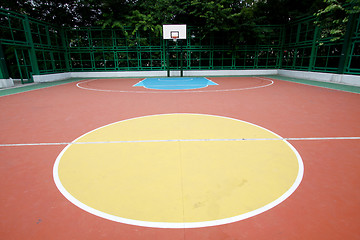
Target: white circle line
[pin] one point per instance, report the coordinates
(172, 91)
(98, 213)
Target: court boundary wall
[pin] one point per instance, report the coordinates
(345, 79)
(5, 83)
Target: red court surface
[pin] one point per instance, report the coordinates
(323, 123)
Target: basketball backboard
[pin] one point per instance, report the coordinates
(174, 31)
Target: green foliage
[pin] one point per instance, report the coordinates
(283, 11)
(236, 21)
(60, 12)
(333, 18)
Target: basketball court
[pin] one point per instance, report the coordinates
(180, 158)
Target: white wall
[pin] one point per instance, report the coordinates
(322, 77)
(315, 76)
(61, 76)
(5, 83)
(229, 72)
(119, 74)
(51, 77)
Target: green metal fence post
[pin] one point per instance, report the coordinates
(314, 47)
(181, 59)
(50, 52)
(297, 44)
(138, 50)
(4, 74)
(233, 59)
(66, 49)
(19, 66)
(115, 52)
(344, 57)
(188, 49)
(91, 46)
(280, 56)
(33, 59)
(256, 60)
(167, 58)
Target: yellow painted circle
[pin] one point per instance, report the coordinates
(178, 170)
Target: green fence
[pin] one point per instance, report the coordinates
(109, 49)
(31, 47)
(304, 50)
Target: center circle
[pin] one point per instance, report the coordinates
(178, 171)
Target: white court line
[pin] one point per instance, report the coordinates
(271, 82)
(180, 140)
(182, 80)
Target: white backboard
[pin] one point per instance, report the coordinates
(174, 29)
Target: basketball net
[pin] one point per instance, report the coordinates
(174, 38)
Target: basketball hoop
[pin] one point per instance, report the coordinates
(174, 32)
(174, 35)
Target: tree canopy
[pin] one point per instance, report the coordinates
(238, 17)
(212, 15)
(335, 16)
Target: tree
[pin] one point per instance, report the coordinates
(61, 12)
(216, 16)
(283, 11)
(237, 21)
(334, 17)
